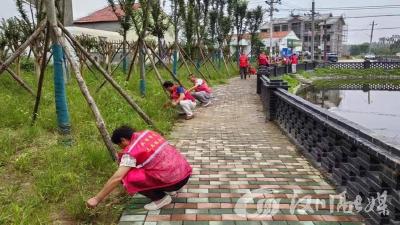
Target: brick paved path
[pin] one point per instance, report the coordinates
(233, 151)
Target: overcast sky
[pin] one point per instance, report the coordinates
(84, 7)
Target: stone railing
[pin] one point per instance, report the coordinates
(275, 70)
(353, 160)
(362, 65)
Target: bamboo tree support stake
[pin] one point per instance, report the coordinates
(133, 62)
(186, 65)
(165, 66)
(91, 102)
(208, 59)
(112, 72)
(117, 87)
(204, 62)
(22, 47)
(19, 80)
(41, 75)
(158, 75)
(223, 59)
(193, 64)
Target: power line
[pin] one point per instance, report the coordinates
(371, 16)
(369, 29)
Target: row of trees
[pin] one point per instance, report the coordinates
(201, 25)
(198, 24)
(364, 48)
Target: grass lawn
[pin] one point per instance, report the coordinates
(43, 180)
(336, 77)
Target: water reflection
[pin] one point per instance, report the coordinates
(378, 111)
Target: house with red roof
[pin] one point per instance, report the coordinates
(106, 20)
(103, 19)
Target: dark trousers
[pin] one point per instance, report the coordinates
(157, 194)
(243, 72)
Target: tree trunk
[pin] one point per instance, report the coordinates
(125, 61)
(113, 83)
(92, 104)
(142, 64)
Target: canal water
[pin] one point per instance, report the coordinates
(379, 111)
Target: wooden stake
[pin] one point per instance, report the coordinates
(165, 66)
(112, 72)
(205, 65)
(191, 61)
(158, 75)
(186, 65)
(19, 80)
(117, 87)
(41, 75)
(89, 99)
(226, 66)
(22, 47)
(132, 63)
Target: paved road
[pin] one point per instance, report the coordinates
(240, 165)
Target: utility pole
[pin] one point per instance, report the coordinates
(372, 36)
(271, 11)
(325, 41)
(313, 30)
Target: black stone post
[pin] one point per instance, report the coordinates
(367, 64)
(269, 97)
(275, 71)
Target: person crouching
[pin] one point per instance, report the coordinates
(200, 91)
(148, 165)
(182, 98)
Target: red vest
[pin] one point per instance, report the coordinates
(158, 164)
(203, 87)
(295, 59)
(262, 60)
(175, 95)
(243, 61)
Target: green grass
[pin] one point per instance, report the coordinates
(321, 77)
(324, 84)
(42, 179)
(290, 79)
(323, 72)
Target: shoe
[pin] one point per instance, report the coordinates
(189, 117)
(171, 193)
(161, 203)
(207, 104)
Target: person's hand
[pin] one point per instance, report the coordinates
(174, 103)
(92, 203)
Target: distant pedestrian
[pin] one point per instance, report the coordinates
(182, 98)
(200, 91)
(294, 61)
(244, 65)
(263, 59)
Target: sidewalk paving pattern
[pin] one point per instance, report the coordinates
(233, 151)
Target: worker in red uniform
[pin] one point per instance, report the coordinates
(244, 65)
(263, 59)
(294, 60)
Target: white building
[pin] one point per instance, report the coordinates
(280, 41)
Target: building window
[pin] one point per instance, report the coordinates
(285, 27)
(306, 38)
(277, 28)
(328, 37)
